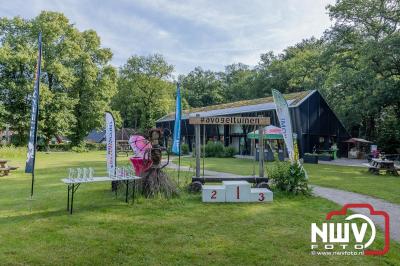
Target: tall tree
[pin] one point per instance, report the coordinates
(17, 61)
(77, 81)
(362, 55)
(144, 92)
(2, 115)
(202, 87)
(94, 87)
(237, 81)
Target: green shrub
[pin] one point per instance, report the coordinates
(217, 149)
(214, 149)
(289, 177)
(101, 146)
(80, 148)
(11, 152)
(229, 152)
(84, 146)
(95, 146)
(60, 147)
(185, 149)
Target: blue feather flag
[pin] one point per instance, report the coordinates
(177, 127)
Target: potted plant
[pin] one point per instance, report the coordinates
(324, 157)
(310, 158)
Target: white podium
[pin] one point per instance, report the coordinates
(235, 191)
(261, 195)
(213, 193)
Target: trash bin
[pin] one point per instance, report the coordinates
(258, 154)
(270, 156)
(281, 155)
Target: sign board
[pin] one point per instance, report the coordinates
(229, 120)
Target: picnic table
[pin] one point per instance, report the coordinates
(377, 165)
(123, 147)
(4, 168)
(74, 183)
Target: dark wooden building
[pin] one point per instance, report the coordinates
(313, 120)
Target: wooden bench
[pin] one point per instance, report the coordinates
(396, 170)
(373, 169)
(376, 170)
(123, 147)
(6, 170)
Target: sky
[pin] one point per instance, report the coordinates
(189, 33)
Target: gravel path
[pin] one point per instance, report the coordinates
(340, 197)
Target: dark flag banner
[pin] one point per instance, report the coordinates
(30, 161)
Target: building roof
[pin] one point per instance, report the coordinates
(96, 136)
(100, 136)
(355, 140)
(240, 107)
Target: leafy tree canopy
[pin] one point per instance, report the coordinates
(77, 82)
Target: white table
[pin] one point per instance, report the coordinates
(74, 183)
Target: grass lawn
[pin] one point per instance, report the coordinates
(356, 179)
(106, 231)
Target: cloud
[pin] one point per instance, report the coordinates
(191, 33)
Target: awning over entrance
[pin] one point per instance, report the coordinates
(357, 140)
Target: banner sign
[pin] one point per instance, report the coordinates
(177, 127)
(282, 111)
(30, 161)
(229, 120)
(110, 144)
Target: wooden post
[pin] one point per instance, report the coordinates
(261, 151)
(198, 147)
(204, 145)
(252, 148)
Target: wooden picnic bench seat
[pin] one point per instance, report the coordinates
(373, 169)
(395, 170)
(378, 165)
(369, 165)
(6, 170)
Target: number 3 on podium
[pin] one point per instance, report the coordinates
(261, 196)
